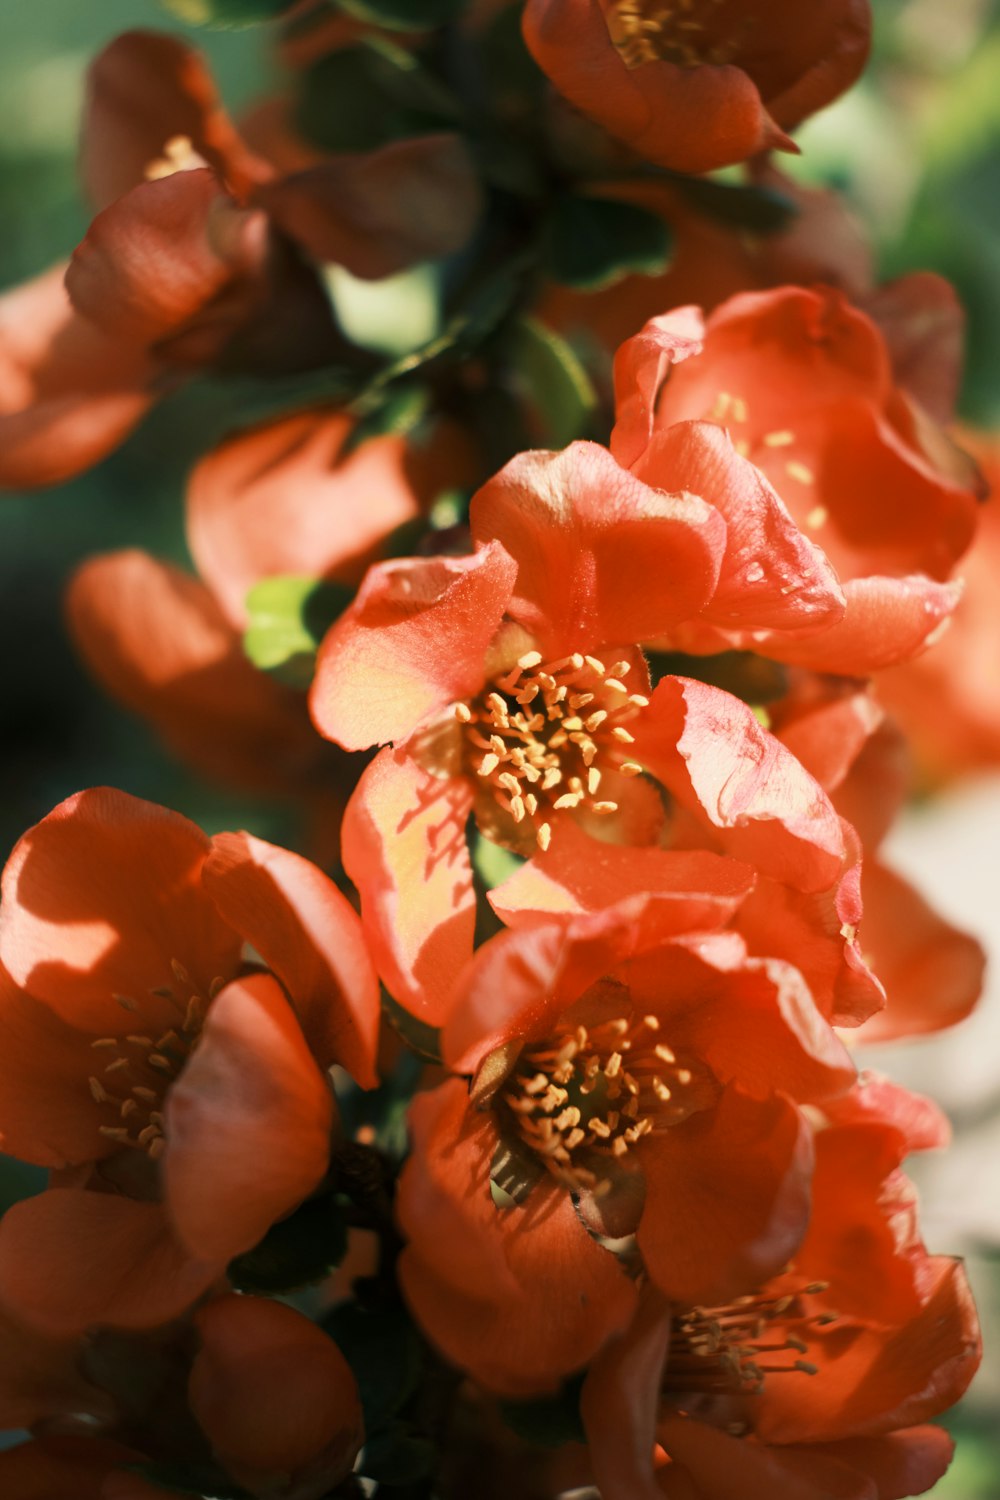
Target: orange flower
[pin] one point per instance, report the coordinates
(697, 88)
(275, 1398)
(623, 1082)
(177, 1092)
(815, 1385)
(290, 496)
(195, 256)
(512, 684)
(932, 971)
(948, 701)
(802, 381)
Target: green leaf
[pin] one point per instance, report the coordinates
(289, 616)
(743, 205)
(226, 12)
(550, 1421)
(383, 1350)
(553, 381)
(296, 1252)
(402, 15)
(422, 1039)
(398, 1455)
(593, 242)
(364, 96)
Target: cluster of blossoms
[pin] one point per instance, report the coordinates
(509, 1138)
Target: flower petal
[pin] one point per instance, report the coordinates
(414, 641)
(620, 1402)
(404, 847)
(155, 639)
(99, 898)
(70, 1258)
(144, 90)
(886, 621)
(272, 1392)
(601, 557)
(69, 394)
(686, 890)
(292, 497)
(247, 1123)
(932, 971)
(519, 1297)
(709, 750)
(309, 935)
(772, 577)
(727, 1468)
(161, 258)
(727, 1198)
(873, 1380)
(378, 212)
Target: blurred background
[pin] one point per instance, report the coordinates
(915, 149)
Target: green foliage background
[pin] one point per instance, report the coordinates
(915, 148)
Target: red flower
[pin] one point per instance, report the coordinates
(931, 970)
(512, 684)
(802, 382)
(275, 1398)
(624, 1081)
(814, 1386)
(179, 1092)
(288, 497)
(693, 89)
(948, 700)
(199, 256)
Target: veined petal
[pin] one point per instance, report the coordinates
(404, 847)
(247, 1123)
(309, 935)
(600, 555)
(414, 641)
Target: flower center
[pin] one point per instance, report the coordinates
(135, 1081)
(732, 1350)
(542, 737)
(584, 1097)
(684, 32)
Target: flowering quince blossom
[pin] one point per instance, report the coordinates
(948, 700)
(178, 1094)
(512, 685)
(802, 382)
(932, 972)
(287, 497)
(625, 1080)
(694, 87)
(199, 257)
(817, 1384)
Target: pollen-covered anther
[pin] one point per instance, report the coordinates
(141, 1068)
(543, 738)
(722, 1350)
(587, 1096)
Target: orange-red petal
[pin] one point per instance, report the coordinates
(310, 936)
(414, 641)
(247, 1123)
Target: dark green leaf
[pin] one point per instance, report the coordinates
(364, 96)
(593, 242)
(296, 1252)
(553, 381)
(744, 205)
(550, 1421)
(422, 1039)
(397, 1455)
(288, 617)
(402, 15)
(383, 1350)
